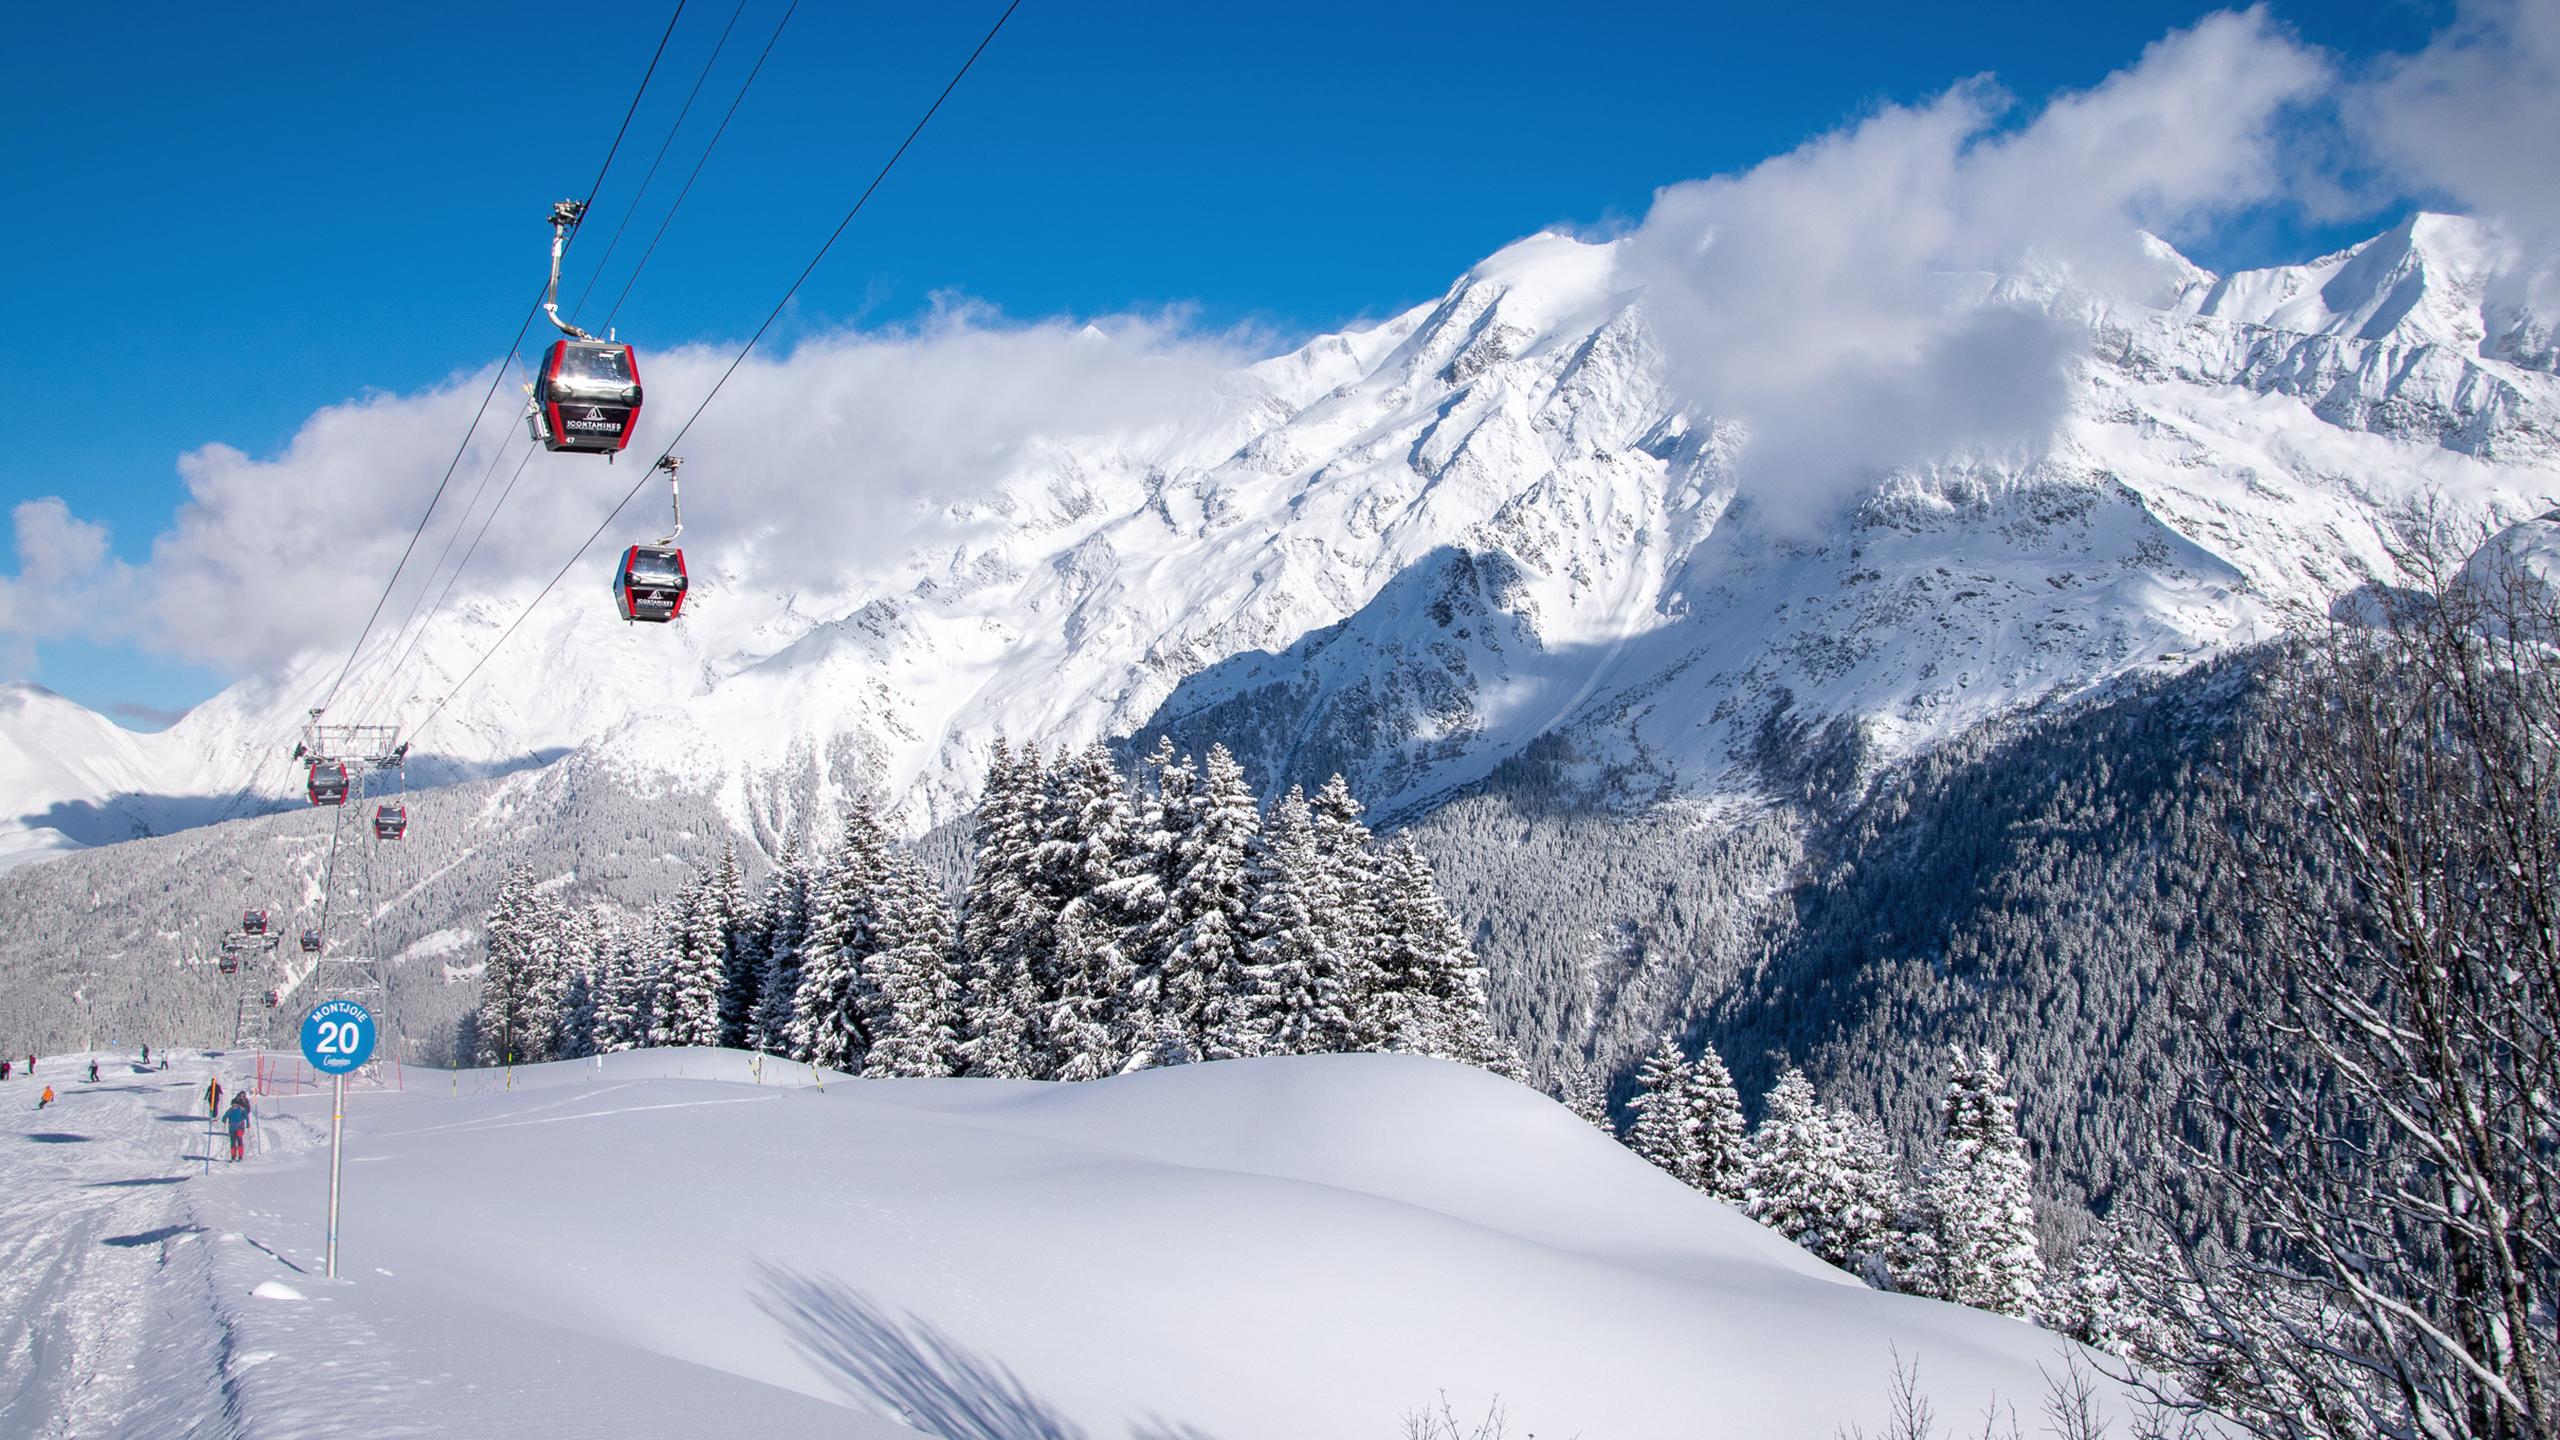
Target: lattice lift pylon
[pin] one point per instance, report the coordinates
(373, 747)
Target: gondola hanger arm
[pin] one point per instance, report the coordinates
(565, 216)
(675, 498)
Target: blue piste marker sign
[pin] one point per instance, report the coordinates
(337, 1036)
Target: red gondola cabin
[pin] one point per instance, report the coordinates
(329, 784)
(586, 397)
(390, 822)
(253, 922)
(228, 964)
(310, 942)
(650, 584)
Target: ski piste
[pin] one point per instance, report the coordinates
(671, 1242)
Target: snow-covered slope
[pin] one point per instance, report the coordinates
(2430, 280)
(57, 760)
(1278, 1248)
(1406, 551)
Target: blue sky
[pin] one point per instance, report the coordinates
(225, 218)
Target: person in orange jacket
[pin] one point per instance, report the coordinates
(46, 1098)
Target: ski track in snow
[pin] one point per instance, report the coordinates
(100, 1322)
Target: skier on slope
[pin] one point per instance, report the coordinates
(213, 1097)
(93, 1072)
(46, 1098)
(237, 1121)
(4, 1069)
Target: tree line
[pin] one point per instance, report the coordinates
(1106, 926)
(1962, 1227)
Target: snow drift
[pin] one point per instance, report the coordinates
(1309, 1246)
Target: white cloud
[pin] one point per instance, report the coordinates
(2469, 121)
(67, 584)
(1812, 296)
(1819, 297)
(839, 455)
(848, 454)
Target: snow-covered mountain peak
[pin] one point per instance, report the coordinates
(1550, 273)
(2178, 283)
(2431, 279)
(1409, 549)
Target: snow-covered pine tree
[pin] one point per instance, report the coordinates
(1278, 1005)
(647, 958)
(1576, 1086)
(502, 1033)
(689, 991)
(1085, 1029)
(1347, 915)
(741, 958)
(1109, 903)
(574, 962)
(1979, 1195)
(1665, 1130)
(1724, 1152)
(1206, 904)
(1866, 1235)
(2094, 1303)
(833, 1010)
(918, 1015)
(1813, 1177)
(782, 926)
(545, 979)
(622, 1018)
(1429, 989)
(1165, 812)
(586, 1002)
(604, 936)
(658, 940)
(1002, 925)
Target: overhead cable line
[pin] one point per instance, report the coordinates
(387, 675)
(403, 653)
(420, 637)
(659, 159)
(329, 884)
(501, 374)
(699, 161)
(863, 199)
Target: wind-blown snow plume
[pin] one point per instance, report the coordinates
(1819, 297)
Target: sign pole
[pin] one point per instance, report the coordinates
(337, 1036)
(337, 1143)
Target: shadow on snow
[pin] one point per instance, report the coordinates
(917, 1371)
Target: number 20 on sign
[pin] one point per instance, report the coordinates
(337, 1036)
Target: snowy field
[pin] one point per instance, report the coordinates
(680, 1243)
